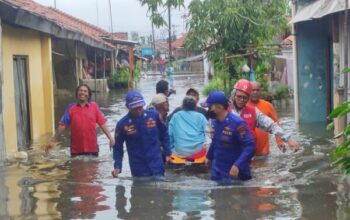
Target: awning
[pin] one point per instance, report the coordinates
(319, 9)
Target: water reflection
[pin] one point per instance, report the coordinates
(81, 197)
(145, 202)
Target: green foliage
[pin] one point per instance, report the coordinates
(281, 93)
(119, 79)
(137, 72)
(234, 26)
(155, 5)
(341, 154)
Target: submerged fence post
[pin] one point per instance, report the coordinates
(2, 136)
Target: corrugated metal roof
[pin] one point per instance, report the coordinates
(318, 10)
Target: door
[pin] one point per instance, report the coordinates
(21, 101)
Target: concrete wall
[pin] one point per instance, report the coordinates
(37, 49)
(2, 137)
(312, 55)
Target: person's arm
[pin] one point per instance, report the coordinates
(246, 142)
(164, 138)
(267, 124)
(64, 122)
(55, 138)
(109, 136)
(118, 151)
(274, 117)
(101, 121)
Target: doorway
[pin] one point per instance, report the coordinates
(21, 101)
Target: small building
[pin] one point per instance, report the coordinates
(43, 50)
(321, 55)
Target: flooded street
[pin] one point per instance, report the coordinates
(284, 186)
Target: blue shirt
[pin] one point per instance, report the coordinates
(143, 136)
(187, 132)
(232, 144)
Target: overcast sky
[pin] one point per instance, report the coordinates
(128, 15)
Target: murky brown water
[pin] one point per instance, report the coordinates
(285, 186)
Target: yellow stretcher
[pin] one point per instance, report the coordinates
(184, 161)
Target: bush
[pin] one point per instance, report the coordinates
(119, 79)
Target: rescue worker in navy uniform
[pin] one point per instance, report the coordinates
(232, 144)
(144, 133)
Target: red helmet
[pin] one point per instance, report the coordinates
(244, 86)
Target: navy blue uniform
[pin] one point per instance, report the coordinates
(143, 136)
(232, 144)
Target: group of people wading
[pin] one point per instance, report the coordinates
(225, 136)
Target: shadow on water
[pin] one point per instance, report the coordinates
(285, 186)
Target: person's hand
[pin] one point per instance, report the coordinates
(168, 159)
(207, 162)
(111, 143)
(234, 171)
(282, 147)
(115, 172)
(49, 145)
(293, 145)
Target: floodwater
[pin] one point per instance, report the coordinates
(285, 186)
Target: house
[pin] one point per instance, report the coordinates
(44, 50)
(321, 53)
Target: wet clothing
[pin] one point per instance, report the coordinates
(143, 136)
(199, 109)
(264, 122)
(263, 140)
(82, 121)
(187, 131)
(232, 144)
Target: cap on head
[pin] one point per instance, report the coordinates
(244, 86)
(216, 97)
(159, 98)
(134, 99)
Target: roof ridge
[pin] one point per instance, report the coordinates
(78, 19)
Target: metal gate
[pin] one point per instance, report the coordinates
(21, 101)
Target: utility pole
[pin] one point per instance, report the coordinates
(153, 40)
(97, 15)
(110, 17)
(54, 2)
(169, 28)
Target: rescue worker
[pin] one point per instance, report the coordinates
(195, 94)
(262, 137)
(255, 118)
(187, 131)
(232, 144)
(144, 133)
(82, 118)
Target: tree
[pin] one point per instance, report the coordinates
(226, 27)
(236, 28)
(154, 7)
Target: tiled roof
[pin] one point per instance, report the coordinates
(62, 19)
(120, 35)
(179, 42)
